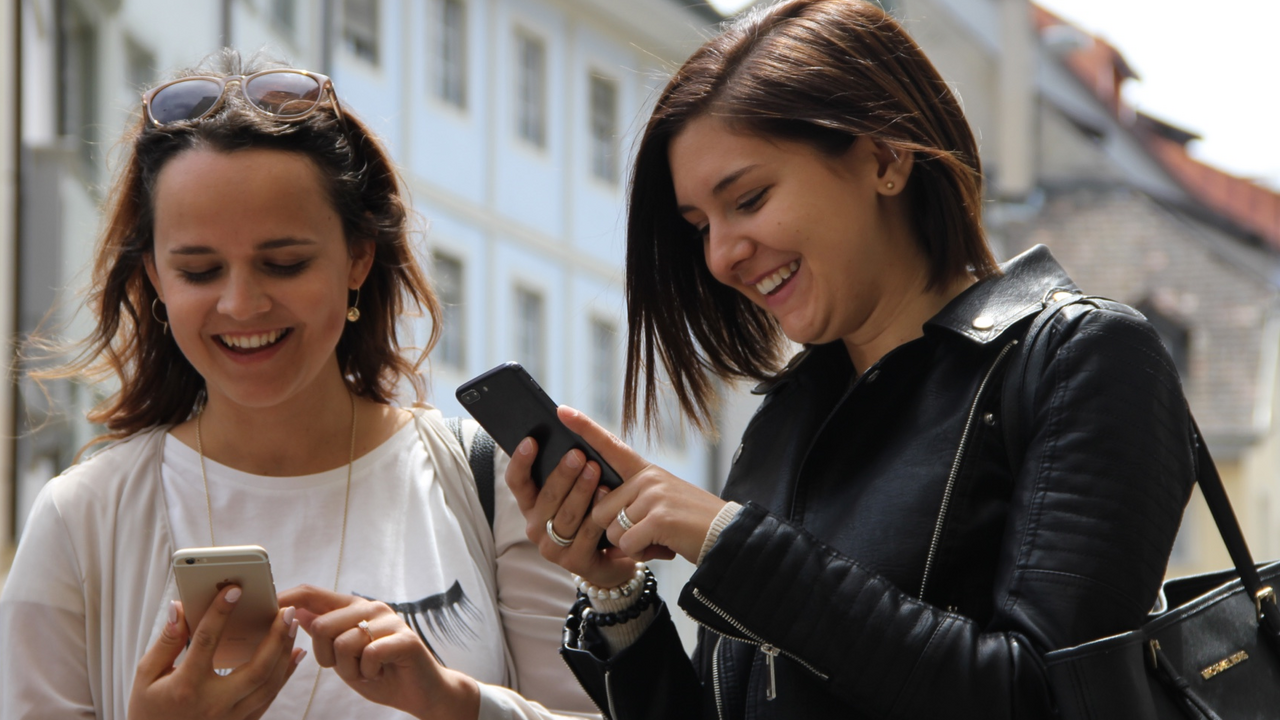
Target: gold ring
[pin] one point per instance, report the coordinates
(555, 538)
(364, 625)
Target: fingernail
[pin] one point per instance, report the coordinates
(288, 616)
(293, 628)
(570, 411)
(526, 446)
(601, 493)
(173, 612)
(573, 459)
(590, 472)
(233, 594)
(298, 660)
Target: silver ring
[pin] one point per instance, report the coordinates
(562, 542)
(364, 625)
(624, 521)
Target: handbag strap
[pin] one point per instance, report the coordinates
(1019, 394)
(480, 458)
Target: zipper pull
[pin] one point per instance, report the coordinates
(770, 655)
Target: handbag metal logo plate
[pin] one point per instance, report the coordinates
(1221, 665)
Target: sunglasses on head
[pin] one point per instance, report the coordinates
(284, 93)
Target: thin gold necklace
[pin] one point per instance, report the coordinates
(342, 537)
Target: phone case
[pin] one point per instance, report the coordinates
(510, 405)
(202, 572)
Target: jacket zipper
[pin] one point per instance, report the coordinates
(955, 469)
(771, 652)
(608, 695)
(715, 677)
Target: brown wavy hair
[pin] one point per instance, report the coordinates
(157, 385)
(821, 72)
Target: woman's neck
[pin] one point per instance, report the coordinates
(902, 321)
(308, 434)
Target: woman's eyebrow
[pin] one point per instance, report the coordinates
(725, 182)
(273, 244)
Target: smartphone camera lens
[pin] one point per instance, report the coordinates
(191, 561)
(470, 396)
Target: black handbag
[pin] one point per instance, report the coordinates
(1210, 650)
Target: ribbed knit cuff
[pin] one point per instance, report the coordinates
(619, 637)
(723, 518)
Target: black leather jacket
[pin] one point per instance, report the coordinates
(890, 562)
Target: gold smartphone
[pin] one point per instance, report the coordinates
(202, 572)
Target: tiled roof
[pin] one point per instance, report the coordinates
(1102, 69)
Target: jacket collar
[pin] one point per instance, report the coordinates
(986, 310)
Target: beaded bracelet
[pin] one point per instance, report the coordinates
(648, 598)
(614, 593)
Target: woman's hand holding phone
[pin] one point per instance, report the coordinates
(669, 516)
(163, 691)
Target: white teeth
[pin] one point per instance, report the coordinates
(250, 342)
(771, 283)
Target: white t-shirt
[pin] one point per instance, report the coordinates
(403, 546)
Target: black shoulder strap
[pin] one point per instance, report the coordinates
(1019, 394)
(480, 458)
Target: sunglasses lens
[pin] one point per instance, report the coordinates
(284, 94)
(185, 100)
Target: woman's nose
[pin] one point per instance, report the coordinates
(243, 297)
(725, 248)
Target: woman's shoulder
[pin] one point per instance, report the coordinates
(110, 466)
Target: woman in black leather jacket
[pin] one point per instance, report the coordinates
(896, 539)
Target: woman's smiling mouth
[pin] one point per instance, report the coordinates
(251, 342)
(771, 283)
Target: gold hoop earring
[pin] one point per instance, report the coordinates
(353, 312)
(155, 317)
(889, 185)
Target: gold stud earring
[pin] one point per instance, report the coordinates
(353, 312)
(163, 323)
(889, 185)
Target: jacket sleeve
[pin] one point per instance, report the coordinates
(1096, 504)
(44, 672)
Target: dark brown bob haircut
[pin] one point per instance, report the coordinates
(821, 72)
(157, 385)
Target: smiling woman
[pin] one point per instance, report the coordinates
(248, 290)
(879, 549)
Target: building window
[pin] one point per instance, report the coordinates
(78, 98)
(450, 76)
(360, 28)
(531, 331)
(531, 89)
(451, 348)
(604, 371)
(140, 65)
(604, 128)
(284, 15)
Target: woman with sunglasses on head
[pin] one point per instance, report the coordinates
(879, 551)
(255, 263)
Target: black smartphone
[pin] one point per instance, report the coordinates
(511, 406)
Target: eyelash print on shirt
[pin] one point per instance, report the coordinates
(446, 615)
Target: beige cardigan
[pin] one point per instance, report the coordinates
(91, 581)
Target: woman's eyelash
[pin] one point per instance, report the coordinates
(753, 200)
(201, 276)
(288, 270)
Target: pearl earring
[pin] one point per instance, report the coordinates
(889, 185)
(353, 312)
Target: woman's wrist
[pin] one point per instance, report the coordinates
(611, 599)
(721, 521)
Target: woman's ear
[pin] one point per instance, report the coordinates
(149, 263)
(894, 167)
(362, 254)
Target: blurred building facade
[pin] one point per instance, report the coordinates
(511, 120)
